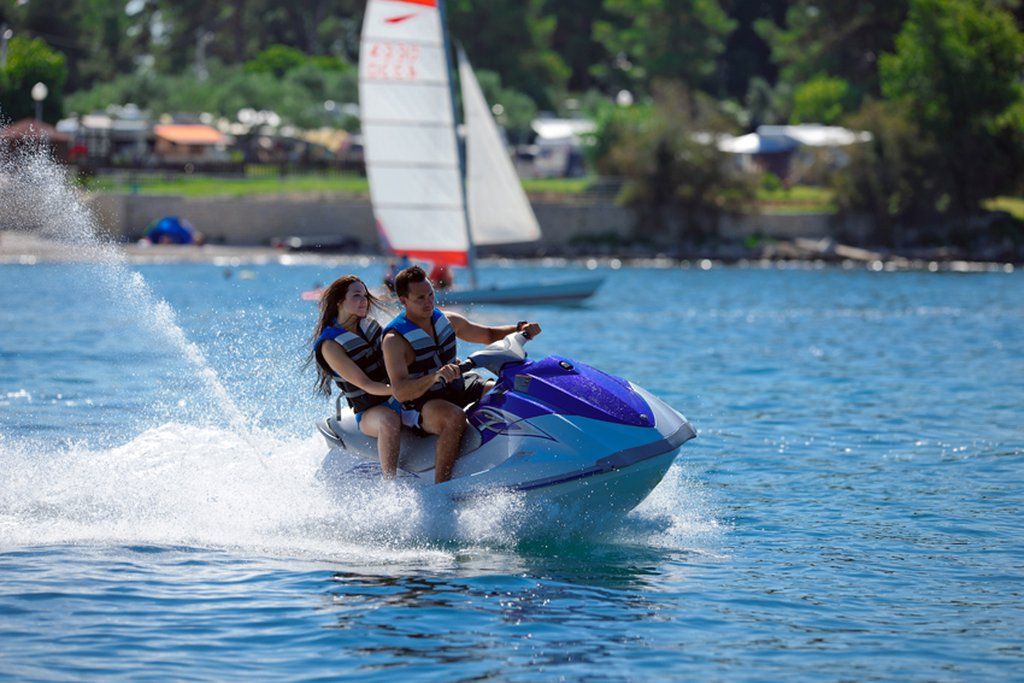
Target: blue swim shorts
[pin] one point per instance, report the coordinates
(409, 418)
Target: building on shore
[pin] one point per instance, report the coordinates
(116, 136)
(186, 143)
(557, 148)
(794, 153)
(29, 133)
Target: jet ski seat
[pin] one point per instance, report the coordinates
(416, 453)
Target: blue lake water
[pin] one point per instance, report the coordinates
(850, 510)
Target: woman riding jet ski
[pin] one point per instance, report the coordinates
(555, 429)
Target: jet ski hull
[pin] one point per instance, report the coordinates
(588, 484)
(556, 432)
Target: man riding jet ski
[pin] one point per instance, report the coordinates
(419, 354)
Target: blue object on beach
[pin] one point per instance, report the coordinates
(170, 230)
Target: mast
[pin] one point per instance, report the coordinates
(459, 149)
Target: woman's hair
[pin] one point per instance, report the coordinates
(332, 295)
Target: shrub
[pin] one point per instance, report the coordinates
(673, 172)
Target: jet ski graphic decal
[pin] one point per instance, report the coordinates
(494, 421)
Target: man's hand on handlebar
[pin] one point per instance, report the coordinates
(529, 330)
(448, 373)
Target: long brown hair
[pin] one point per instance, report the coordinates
(332, 295)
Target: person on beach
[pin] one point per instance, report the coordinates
(441, 276)
(419, 354)
(347, 351)
(394, 267)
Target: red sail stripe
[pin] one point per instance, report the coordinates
(452, 258)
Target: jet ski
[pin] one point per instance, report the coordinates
(555, 430)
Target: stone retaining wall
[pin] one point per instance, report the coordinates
(257, 220)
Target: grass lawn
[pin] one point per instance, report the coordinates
(213, 186)
(1012, 205)
(558, 185)
(797, 199)
(347, 183)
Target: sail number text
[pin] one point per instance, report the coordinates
(392, 61)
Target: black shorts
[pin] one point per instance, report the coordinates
(472, 390)
(473, 387)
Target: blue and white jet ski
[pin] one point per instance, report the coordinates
(554, 429)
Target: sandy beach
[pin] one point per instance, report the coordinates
(30, 248)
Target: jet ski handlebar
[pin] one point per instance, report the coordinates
(493, 357)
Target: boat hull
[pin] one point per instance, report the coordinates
(593, 502)
(581, 503)
(556, 293)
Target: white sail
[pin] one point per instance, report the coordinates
(412, 159)
(499, 211)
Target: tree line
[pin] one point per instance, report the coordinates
(938, 83)
(755, 54)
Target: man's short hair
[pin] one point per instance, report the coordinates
(407, 276)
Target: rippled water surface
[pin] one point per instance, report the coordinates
(851, 508)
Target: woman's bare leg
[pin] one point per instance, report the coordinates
(385, 425)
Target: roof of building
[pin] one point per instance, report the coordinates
(776, 139)
(333, 139)
(550, 129)
(755, 143)
(189, 134)
(30, 128)
(816, 134)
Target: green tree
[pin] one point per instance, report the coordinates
(235, 31)
(890, 178)
(110, 50)
(844, 38)
(765, 104)
(652, 40)
(957, 66)
(298, 97)
(54, 21)
(512, 38)
(572, 39)
(822, 99)
(747, 55)
(31, 61)
(147, 89)
(276, 60)
(673, 173)
(189, 34)
(513, 110)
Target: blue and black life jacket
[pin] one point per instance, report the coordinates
(432, 351)
(363, 347)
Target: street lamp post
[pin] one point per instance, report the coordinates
(5, 35)
(39, 93)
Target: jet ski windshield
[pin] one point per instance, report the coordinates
(495, 356)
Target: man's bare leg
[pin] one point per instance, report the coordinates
(449, 423)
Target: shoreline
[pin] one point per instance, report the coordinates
(23, 248)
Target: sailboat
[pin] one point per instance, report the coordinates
(430, 201)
